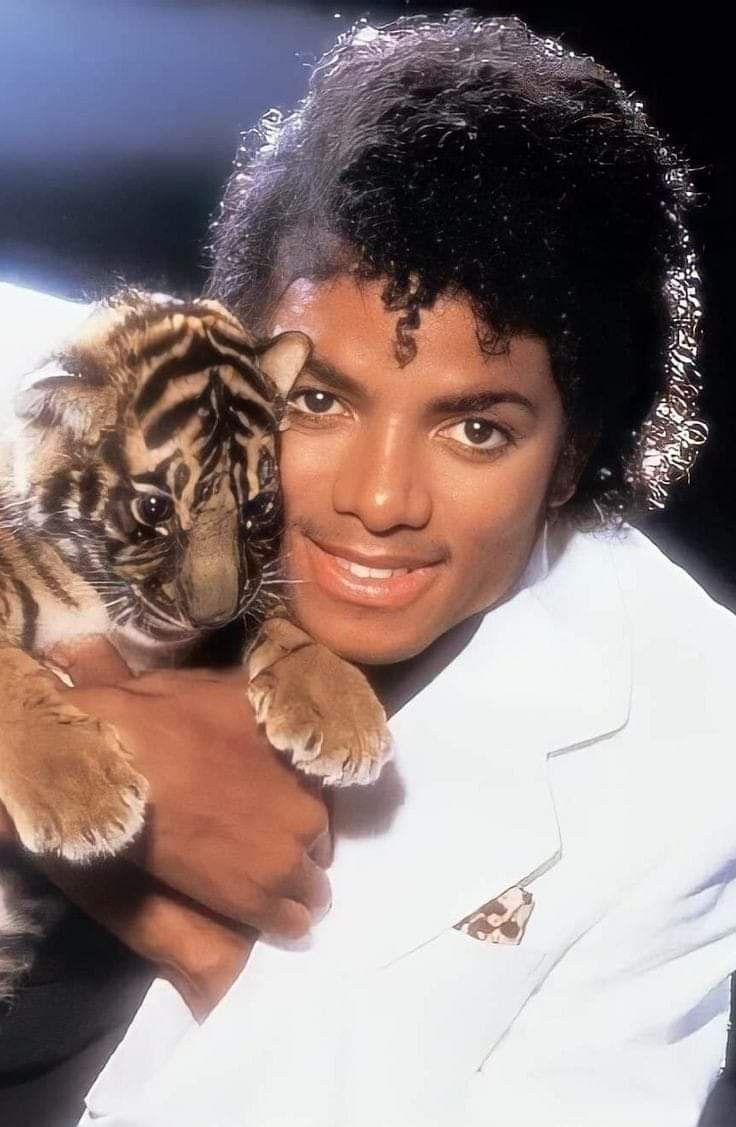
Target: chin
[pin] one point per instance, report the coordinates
(367, 650)
(364, 636)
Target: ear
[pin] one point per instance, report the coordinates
(53, 398)
(283, 358)
(570, 465)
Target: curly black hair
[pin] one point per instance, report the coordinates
(469, 156)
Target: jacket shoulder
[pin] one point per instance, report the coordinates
(683, 646)
(33, 325)
(673, 763)
(662, 598)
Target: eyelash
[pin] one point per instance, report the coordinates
(314, 418)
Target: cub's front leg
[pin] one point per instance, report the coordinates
(315, 706)
(65, 779)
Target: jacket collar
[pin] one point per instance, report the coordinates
(465, 810)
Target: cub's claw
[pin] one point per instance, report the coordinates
(82, 799)
(322, 712)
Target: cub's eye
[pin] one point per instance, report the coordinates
(261, 513)
(152, 508)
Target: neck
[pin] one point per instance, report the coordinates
(397, 683)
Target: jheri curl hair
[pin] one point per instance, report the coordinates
(469, 156)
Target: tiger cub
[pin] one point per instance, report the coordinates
(140, 500)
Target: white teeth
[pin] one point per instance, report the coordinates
(371, 572)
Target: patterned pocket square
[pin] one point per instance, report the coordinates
(501, 920)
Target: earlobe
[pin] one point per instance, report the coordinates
(564, 481)
(571, 462)
(559, 498)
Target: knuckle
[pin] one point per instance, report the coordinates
(295, 921)
(282, 872)
(314, 819)
(293, 861)
(255, 909)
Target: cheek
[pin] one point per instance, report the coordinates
(304, 472)
(504, 496)
(493, 516)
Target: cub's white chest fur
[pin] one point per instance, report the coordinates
(58, 623)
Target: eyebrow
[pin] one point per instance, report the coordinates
(479, 401)
(468, 401)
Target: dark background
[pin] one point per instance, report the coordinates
(120, 120)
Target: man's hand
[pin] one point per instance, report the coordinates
(232, 837)
(229, 825)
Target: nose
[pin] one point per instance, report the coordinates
(213, 602)
(205, 618)
(210, 575)
(381, 482)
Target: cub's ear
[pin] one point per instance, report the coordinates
(283, 357)
(54, 398)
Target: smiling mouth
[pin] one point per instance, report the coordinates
(370, 572)
(383, 582)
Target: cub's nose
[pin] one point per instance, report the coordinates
(212, 606)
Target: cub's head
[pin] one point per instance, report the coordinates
(148, 452)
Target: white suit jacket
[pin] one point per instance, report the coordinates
(581, 745)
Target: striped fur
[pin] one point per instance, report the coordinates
(159, 403)
(139, 500)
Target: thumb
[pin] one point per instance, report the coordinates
(90, 662)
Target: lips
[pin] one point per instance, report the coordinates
(388, 582)
(383, 560)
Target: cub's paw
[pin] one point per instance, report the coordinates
(324, 714)
(78, 796)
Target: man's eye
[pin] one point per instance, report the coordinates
(152, 508)
(310, 401)
(479, 433)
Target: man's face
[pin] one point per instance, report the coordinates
(413, 495)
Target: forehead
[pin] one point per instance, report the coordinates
(351, 327)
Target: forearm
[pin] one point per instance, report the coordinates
(200, 954)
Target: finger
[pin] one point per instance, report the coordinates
(322, 851)
(281, 917)
(90, 662)
(313, 813)
(287, 920)
(309, 886)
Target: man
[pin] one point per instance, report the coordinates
(484, 239)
